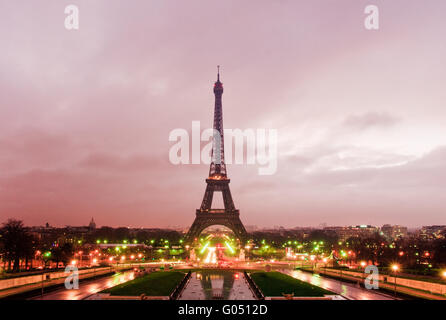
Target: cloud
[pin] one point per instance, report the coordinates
(370, 120)
(123, 164)
(422, 173)
(31, 147)
(85, 116)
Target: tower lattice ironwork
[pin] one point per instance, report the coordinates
(217, 181)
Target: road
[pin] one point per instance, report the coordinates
(87, 287)
(346, 290)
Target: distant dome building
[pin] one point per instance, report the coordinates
(92, 225)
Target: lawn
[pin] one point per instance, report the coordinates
(273, 284)
(160, 283)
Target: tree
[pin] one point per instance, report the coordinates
(17, 243)
(439, 252)
(62, 253)
(29, 249)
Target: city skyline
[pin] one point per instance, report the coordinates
(249, 227)
(86, 115)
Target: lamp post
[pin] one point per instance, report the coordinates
(363, 264)
(443, 274)
(41, 292)
(340, 271)
(325, 264)
(80, 259)
(341, 274)
(94, 267)
(395, 268)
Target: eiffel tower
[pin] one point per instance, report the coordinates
(217, 181)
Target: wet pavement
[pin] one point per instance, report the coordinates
(88, 288)
(349, 291)
(217, 285)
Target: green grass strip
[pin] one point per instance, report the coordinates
(160, 283)
(274, 284)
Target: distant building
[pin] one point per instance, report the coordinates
(92, 225)
(433, 232)
(360, 231)
(251, 228)
(393, 232)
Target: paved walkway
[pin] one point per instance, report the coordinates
(399, 289)
(193, 289)
(346, 290)
(87, 289)
(239, 291)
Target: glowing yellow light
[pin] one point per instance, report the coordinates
(211, 257)
(363, 263)
(229, 247)
(73, 262)
(395, 267)
(204, 248)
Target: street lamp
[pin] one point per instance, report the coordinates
(325, 260)
(395, 269)
(363, 264)
(80, 258)
(443, 274)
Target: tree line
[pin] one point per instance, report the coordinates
(19, 247)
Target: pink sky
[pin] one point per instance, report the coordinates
(85, 115)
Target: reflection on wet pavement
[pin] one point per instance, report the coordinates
(217, 284)
(347, 291)
(88, 288)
